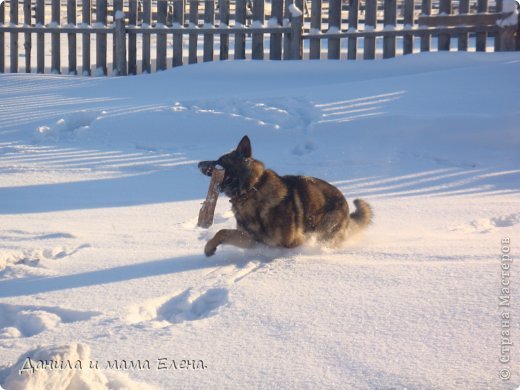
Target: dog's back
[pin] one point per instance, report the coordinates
(286, 210)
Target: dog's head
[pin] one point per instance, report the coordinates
(241, 171)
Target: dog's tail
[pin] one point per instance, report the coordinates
(360, 218)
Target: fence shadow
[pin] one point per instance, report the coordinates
(136, 189)
(30, 286)
(435, 182)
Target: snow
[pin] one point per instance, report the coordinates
(102, 261)
(273, 22)
(295, 11)
(333, 30)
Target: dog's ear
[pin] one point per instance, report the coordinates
(244, 147)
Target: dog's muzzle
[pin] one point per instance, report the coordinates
(207, 167)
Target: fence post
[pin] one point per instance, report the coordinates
(295, 37)
(120, 43)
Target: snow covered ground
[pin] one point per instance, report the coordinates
(101, 262)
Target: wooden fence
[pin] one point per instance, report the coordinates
(134, 36)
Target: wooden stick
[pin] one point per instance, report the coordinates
(207, 210)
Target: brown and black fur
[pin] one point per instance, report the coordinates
(280, 211)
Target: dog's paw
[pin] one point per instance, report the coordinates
(210, 248)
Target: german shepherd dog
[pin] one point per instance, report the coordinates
(280, 211)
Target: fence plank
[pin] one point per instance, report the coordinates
(296, 43)
(86, 19)
(2, 39)
(408, 20)
(499, 8)
(193, 38)
(454, 30)
(13, 13)
(187, 30)
(162, 9)
(353, 12)
(462, 43)
(178, 21)
(426, 9)
(315, 43)
(40, 38)
(482, 21)
(101, 38)
(444, 38)
(390, 20)
(55, 37)
(209, 21)
(132, 38)
(223, 6)
(71, 20)
(120, 68)
(369, 51)
(275, 41)
(117, 6)
(240, 38)
(334, 26)
(258, 38)
(27, 4)
(147, 21)
(481, 37)
(286, 37)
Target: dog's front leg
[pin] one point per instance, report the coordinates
(229, 236)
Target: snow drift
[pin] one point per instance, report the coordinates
(101, 258)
